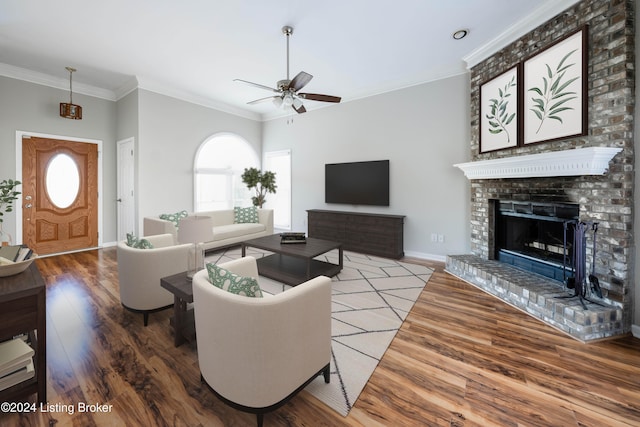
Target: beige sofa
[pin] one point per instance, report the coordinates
(257, 353)
(225, 231)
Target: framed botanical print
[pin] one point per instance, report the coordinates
(499, 112)
(555, 91)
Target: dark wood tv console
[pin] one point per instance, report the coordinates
(374, 234)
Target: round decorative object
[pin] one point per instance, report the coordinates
(16, 267)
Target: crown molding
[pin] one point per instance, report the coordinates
(31, 76)
(381, 90)
(197, 99)
(54, 82)
(574, 162)
(127, 88)
(538, 17)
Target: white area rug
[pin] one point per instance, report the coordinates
(371, 298)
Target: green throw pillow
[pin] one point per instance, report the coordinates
(135, 242)
(246, 215)
(230, 282)
(175, 218)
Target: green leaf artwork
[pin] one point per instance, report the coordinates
(550, 99)
(498, 116)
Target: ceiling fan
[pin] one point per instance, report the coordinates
(287, 89)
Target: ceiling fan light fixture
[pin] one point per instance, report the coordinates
(70, 110)
(287, 89)
(287, 101)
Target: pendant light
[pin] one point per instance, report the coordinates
(70, 110)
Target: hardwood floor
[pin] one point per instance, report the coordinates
(462, 358)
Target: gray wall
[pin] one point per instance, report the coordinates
(170, 132)
(167, 132)
(127, 116)
(35, 108)
(422, 130)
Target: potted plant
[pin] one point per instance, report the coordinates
(8, 194)
(263, 182)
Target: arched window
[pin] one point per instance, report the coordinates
(219, 164)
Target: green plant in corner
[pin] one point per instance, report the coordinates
(8, 194)
(263, 182)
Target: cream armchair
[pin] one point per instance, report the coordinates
(140, 271)
(257, 353)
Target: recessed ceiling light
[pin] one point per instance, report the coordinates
(460, 34)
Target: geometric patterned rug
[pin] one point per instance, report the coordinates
(371, 298)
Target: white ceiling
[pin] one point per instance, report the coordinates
(193, 49)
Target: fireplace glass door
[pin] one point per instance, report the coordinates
(535, 236)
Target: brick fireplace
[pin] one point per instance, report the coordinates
(606, 198)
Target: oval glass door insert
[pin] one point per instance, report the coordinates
(62, 180)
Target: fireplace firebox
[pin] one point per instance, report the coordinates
(534, 236)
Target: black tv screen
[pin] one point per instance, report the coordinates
(357, 183)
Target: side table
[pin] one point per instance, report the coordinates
(23, 310)
(183, 322)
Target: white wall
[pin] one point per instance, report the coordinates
(422, 130)
(35, 108)
(170, 132)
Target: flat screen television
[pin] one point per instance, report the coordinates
(357, 183)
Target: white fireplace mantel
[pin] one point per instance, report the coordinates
(574, 162)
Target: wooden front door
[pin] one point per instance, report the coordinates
(59, 195)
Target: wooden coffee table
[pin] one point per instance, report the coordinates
(294, 263)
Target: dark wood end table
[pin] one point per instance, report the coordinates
(183, 321)
(23, 311)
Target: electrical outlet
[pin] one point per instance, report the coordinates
(440, 238)
(434, 237)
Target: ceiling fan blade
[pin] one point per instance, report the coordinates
(320, 97)
(300, 80)
(257, 85)
(268, 98)
(300, 109)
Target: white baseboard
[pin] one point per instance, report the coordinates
(430, 257)
(635, 330)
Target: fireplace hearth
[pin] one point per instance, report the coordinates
(531, 247)
(541, 297)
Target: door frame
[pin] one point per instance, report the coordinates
(119, 146)
(19, 135)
